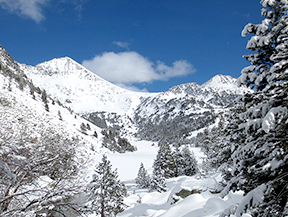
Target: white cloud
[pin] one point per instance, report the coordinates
(28, 8)
(122, 44)
(180, 68)
(131, 67)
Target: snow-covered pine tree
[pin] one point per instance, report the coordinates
(179, 162)
(107, 192)
(158, 182)
(163, 167)
(83, 127)
(185, 162)
(190, 163)
(143, 179)
(269, 62)
(260, 156)
(45, 100)
(164, 160)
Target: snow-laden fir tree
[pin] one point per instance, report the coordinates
(143, 178)
(185, 162)
(190, 164)
(269, 63)
(163, 167)
(45, 100)
(259, 151)
(179, 162)
(158, 182)
(107, 192)
(164, 160)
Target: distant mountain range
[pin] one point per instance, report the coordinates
(171, 115)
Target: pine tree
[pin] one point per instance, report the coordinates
(165, 161)
(268, 64)
(185, 162)
(158, 182)
(88, 127)
(163, 167)
(45, 100)
(83, 127)
(190, 163)
(106, 191)
(179, 162)
(259, 149)
(143, 179)
(60, 116)
(32, 89)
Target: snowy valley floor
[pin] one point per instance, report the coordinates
(140, 202)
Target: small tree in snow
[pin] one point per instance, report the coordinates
(158, 182)
(83, 127)
(45, 100)
(165, 161)
(60, 116)
(143, 179)
(106, 191)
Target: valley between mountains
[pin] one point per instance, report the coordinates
(171, 115)
(54, 117)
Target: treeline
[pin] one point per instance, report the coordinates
(115, 143)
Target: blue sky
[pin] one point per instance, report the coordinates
(142, 44)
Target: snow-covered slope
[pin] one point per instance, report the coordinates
(84, 91)
(225, 82)
(78, 88)
(23, 112)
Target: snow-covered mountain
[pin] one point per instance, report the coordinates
(151, 116)
(41, 119)
(79, 88)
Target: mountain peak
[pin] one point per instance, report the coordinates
(220, 81)
(63, 65)
(72, 83)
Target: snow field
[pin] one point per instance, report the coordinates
(141, 202)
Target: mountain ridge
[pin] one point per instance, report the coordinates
(150, 116)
